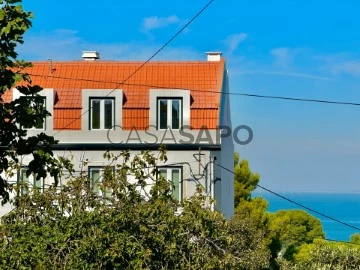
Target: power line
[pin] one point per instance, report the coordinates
(298, 204)
(205, 91)
(299, 99)
(148, 60)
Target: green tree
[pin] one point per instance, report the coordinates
(355, 238)
(26, 110)
(254, 209)
(245, 180)
(289, 229)
(252, 218)
(325, 255)
(140, 226)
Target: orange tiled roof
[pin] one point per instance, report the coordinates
(68, 78)
(7, 96)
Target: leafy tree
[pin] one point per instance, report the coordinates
(252, 218)
(249, 243)
(290, 229)
(254, 209)
(26, 110)
(324, 255)
(140, 226)
(355, 238)
(245, 181)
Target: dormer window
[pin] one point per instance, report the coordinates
(101, 113)
(101, 109)
(169, 113)
(40, 122)
(48, 97)
(169, 108)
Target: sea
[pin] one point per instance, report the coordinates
(344, 207)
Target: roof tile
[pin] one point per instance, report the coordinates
(203, 79)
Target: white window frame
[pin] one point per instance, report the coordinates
(156, 94)
(49, 95)
(102, 113)
(30, 181)
(87, 94)
(95, 189)
(169, 171)
(169, 123)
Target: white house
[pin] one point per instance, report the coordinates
(111, 105)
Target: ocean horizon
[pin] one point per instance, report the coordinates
(344, 206)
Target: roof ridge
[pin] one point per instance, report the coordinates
(197, 62)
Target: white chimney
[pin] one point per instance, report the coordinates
(213, 56)
(90, 55)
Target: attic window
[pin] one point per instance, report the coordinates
(169, 113)
(40, 122)
(101, 113)
(169, 108)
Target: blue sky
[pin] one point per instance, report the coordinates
(298, 48)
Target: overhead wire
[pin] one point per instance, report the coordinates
(298, 204)
(148, 60)
(334, 102)
(229, 93)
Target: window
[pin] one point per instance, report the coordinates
(169, 113)
(40, 122)
(173, 175)
(97, 175)
(101, 113)
(28, 182)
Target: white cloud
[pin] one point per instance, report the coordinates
(63, 44)
(233, 41)
(342, 63)
(287, 74)
(351, 67)
(155, 22)
(283, 56)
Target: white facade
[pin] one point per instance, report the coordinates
(195, 152)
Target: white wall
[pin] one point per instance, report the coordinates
(95, 158)
(226, 192)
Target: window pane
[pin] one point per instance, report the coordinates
(37, 183)
(175, 114)
(23, 182)
(23, 177)
(163, 173)
(163, 114)
(95, 114)
(95, 179)
(108, 174)
(108, 114)
(175, 175)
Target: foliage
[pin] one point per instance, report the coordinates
(254, 209)
(249, 243)
(292, 228)
(138, 227)
(245, 181)
(252, 218)
(26, 110)
(326, 256)
(355, 238)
